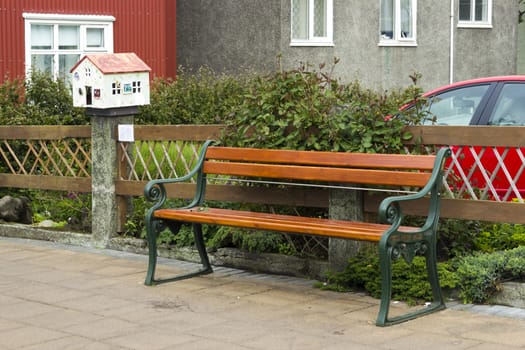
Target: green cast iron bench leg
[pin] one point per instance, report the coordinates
(152, 228)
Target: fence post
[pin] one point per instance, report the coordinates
(104, 172)
(344, 205)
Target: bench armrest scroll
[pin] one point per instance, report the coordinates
(390, 209)
(155, 191)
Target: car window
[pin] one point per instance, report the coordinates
(510, 106)
(455, 107)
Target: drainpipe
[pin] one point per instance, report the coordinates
(451, 64)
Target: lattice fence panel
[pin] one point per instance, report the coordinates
(65, 157)
(149, 160)
(483, 173)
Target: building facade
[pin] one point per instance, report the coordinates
(378, 42)
(52, 35)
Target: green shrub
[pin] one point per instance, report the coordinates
(480, 275)
(64, 207)
(409, 281)
(202, 97)
(500, 236)
(250, 240)
(310, 110)
(457, 237)
(38, 101)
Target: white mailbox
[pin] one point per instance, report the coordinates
(103, 81)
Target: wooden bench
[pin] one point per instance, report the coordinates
(423, 174)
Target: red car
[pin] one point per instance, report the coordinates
(498, 101)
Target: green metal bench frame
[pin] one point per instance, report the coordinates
(394, 241)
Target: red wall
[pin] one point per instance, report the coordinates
(146, 27)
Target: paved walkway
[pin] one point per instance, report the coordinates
(62, 297)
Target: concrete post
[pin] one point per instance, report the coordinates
(344, 205)
(103, 175)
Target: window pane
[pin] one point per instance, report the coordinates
(406, 19)
(481, 10)
(320, 18)
(457, 107)
(65, 63)
(42, 63)
(464, 10)
(68, 38)
(300, 19)
(95, 37)
(387, 19)
(510, 107)
(41, 37)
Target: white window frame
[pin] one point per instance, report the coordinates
(472, 23)
(83, 21)
(313, 40)
(397, 39)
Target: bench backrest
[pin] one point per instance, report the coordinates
(355, 168)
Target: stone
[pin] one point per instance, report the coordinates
(511, 294)
(13, 209)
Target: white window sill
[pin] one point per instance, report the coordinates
(397, 43)
(475, 25)
(312, 43)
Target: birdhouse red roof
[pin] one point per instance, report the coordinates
(116, 63)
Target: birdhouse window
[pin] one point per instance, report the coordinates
(115, 88)
(136, 87)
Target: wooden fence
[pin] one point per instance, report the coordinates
(59, 158)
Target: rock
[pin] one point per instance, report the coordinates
(14, 209)
(46, 223)
(511, 294)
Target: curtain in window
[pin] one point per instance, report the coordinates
(68, 38)
(300, 19)
(95, 37)
(319, 18)
(464, 10)
(406, 19)
(65, 63)
(387, 19)
(41, 37)
(42, 63)
(481, 10)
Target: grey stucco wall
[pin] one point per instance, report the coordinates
(228, 34)
(486, 52)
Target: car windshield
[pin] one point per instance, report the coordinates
(510, 106)
(455, 107)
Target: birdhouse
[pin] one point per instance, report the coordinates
(106, 81)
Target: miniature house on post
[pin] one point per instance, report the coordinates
(110, 84)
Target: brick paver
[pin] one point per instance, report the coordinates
(63, 297)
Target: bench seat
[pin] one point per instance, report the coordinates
(363, 231)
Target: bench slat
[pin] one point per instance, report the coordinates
(275, 222)
(312, 173)
(337, 159)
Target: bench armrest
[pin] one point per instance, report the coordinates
(390, 209)
(155, 190)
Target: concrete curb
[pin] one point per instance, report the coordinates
(228, 257)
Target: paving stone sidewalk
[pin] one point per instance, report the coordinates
(63, 297)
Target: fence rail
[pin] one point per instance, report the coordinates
(59, 158)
